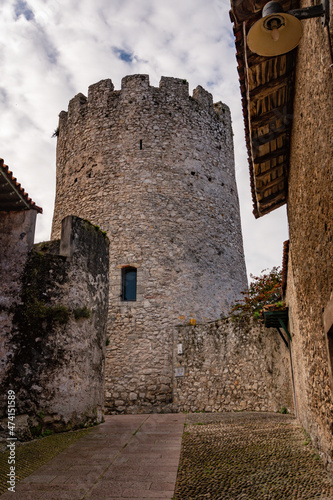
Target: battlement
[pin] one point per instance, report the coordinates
(135, 89)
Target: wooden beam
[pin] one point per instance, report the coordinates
(269, 87)
(272, 198)
(270, 170)
(270, 136)
(260, 211)
(255, 59)
(279, 113)
(261, 190)
(268, 156)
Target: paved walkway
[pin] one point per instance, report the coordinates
(129, 456)
(223, 456)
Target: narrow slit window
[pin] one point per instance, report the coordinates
(129, 279)
(140, 143)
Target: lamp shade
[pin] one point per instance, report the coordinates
(275, 34)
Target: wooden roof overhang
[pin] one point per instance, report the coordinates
(267, 97)
(12, 195)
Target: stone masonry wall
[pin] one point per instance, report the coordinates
(310, 214)
(154, 168)
(17, 233)
(228, 366)
(57, 344)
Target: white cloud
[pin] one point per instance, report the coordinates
(50, 51)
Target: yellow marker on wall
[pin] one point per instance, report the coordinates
(193, 321)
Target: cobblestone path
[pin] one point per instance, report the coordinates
(245, 456)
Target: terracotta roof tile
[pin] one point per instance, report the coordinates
(12, 194)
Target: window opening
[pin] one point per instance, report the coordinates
(129, 280)
(140, 143)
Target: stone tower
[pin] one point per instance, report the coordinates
(154, 168)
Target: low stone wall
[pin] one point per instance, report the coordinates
(57, 342)
(228, 366)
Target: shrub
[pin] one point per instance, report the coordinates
(263, 290)
(82, 312)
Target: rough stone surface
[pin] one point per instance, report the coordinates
(231, 366)
(17, 231)
(248, 456)
(57, 342)
(154, 168)
(310, 214)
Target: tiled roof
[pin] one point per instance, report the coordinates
(12, 195)
(267, 97)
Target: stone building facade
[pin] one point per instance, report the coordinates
(154, 168)
(290, 113)
(310, 216)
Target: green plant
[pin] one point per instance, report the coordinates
(36, 430)
(56, 132)
(96, 228)
(35, 311)
(284, 410)
(264, 289)
(43, 246)
(307, 438)
(279, 305)
(59, 314)
(81, 312)
(47, 432)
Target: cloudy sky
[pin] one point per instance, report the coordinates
(50, 50)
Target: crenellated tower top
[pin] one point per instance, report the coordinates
(135, 89)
